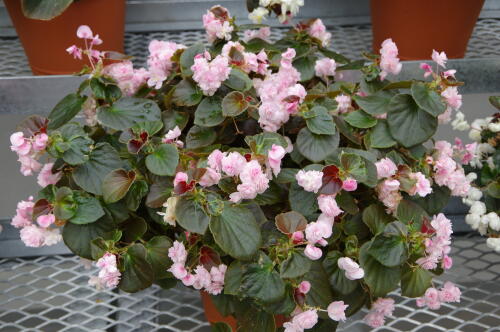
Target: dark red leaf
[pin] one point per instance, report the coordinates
(32, 125)
(196, 173)
(144, 136)
(134, 146)
(332, 184)
(183, 187)
(209, 257)
(41, 207)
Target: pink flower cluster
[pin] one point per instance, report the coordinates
(31, 234)
(343, 103)
(160, 61)
(218, 27)
(389, 189)
(433, 298)
(212, 282)
(263, 33)
(280, 94)
(452, 98)
(389, 61)
(466, 153)
(318, 30)
(46, 176)
(84, 32)
(381, 308)
(351, 268)
(109, 275)
(29, 150)
(325, 67)
(438, 247)
(447, 172)
(252, 62)
(310, 180)
(210, 74)
(302, 321)
(129, 80)
(171, 137)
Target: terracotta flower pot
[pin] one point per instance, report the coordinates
(419, 26)
(45, 42)
(214, 316)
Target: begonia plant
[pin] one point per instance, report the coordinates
(283, 178)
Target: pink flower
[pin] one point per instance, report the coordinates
(177, 253)
(439, 58)
(75, 51)
(210, 75)
(306, 319)
(325, 67)
(447, 262)
(310, 180)
(188, 280)
(430, 299)
(46, 220)
(180, 177)
(449, 73)
(374, 319)
(328, 205)
(318, 30)
(29, 165)
(384, 305)
(298, 237)
(233, 163)
(452, 97)
(351, 268)
(210, 178)
(449, 293)
(316, 231)
(203, 279)
(422, 187)
(252, 175)
(349, 184)
(46, 177)
(109, 275)
(217, 27)
(304, 287)
(343, 103)
(24, 213)
(84, 32)
(40, 142)
(427, 69)
(336, 311)
(312, 252)
(389, 61)
(263, 33)
(214, 160)
(20, 144)
(129, 80)
(32, 236)
(274, 156)
(178, 270)
(292, 327)
(172, 135)
(385, 168)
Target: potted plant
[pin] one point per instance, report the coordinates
(46, 28)
(250, 171)
(418, 27)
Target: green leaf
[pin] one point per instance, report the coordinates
(238, 80)
(415, 281)
(186, 93)
(287, 175)
(494, 189)
(232, 278)
(65, 110)
(236, 232)
(320, 294)
(209, 112)
(305, 66)
(354, 165)
(296, 265)
(316, 147)
(128, 111)
(199, 137)
(44, 10)
(374, 104)
(102, 160)
(381, 279)
(347, 203)
(174, 119)
(151, 127)
(360, 119)
(433, 203)
(263, 142)
(302, 201)
(64, 205)
(137, 191)
(76, 144)
(221, 327)
(495, 101)
(380, 137)
(334, 55)
(427, 99)
(290, 222)
(191, 216)
(337, 278)
(133, 229)
(253, 319)
(157, 255)
(271, 196)
(375, 217)
(187, 58)
(116, 185)
(262, 282)
(78, 238)
(233, 104)
(388, 249)
(163, 161)
(137, 272)
(319, 121)
(88, 209)
(409, 124)
(410, 213)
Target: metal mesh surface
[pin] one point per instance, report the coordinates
(51, 294)
(349, 40)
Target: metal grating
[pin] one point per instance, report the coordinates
(350, 40)
(51, 294)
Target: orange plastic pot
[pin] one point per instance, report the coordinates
(214, 316)
(45, 42)
(419, 26)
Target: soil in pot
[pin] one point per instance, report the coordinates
(419, 26)
(214, 316)
(45, 42)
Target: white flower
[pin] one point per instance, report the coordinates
(265, 3)
(471, 177)
(169, 214)
(485, 148)
(474, 194)
(494, 127)
(459, 122)
(475, 135)
(491, 163)
(493, 243)
(473, 220)
(494, 221)
(258, 14)
(478, 208)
